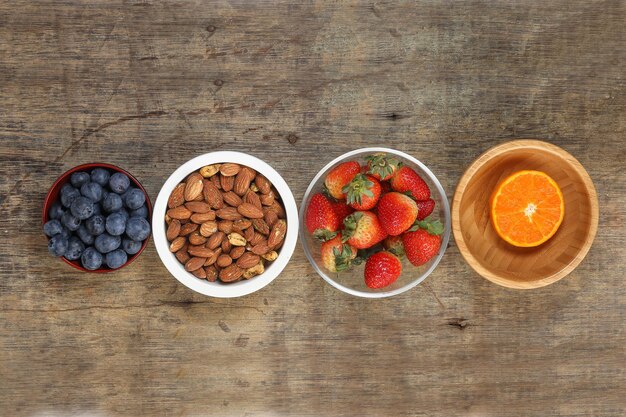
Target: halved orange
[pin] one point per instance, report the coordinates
(527, 208)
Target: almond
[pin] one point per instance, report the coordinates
(263, 184)
(179, 213)
(237, 251)
(198, 206)
(202, 217)
(248, 260)
(260, 249)
(182, 255)
(228, 213)
(225, 226)
(173, 229)
(177, 244)
(168, 219)
(229, 169)
(257, 238)
(223, 261)
(208, 228)
(199, 251)
(194, 186)
(227, 183)
(213, 258)
(231, 273)
(215, 240)
(260, 226)
(241, 225)
(177, 197)
(253, 198)
(249, 233)
(267, 199)
(270, 256)
(212, 195)
(209, 170)
(200, 197)
(236, 239)
(232, 199)
(197, 239)
(211, 273)
(199, 273)
(254, 271)
(270, 217)
(194, 263)
(226, 246)
(280, 211)
(188, 229)
(277, 234)
(243, 180)
(250, 211)
(215, 180)
(254, 188)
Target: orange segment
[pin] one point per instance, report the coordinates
(527, 208)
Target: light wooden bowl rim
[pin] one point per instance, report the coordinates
(508, 147)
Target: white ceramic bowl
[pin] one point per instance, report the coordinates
(217, 289)
(351, 282)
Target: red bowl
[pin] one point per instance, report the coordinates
(53, 196)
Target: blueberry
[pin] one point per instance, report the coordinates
(130, 246)
(118, 183)
(56, 211)
(57, 245)
(100, 176)
(70, 221)
(91, 259)
(95, 224)
(106, 243)
(116, 224)
(79, 178)
(92, 190)
(140, 212)
(134, 198)
(65, 233)
(124, 212)
(75, 248)
(105, 193)
(84, 235)
(52, 227)
(116, 258)
(137, 228)
(97, 208)
(68, 195)
(112, 203)
(82, 208)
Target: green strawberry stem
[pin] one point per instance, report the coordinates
(433, 227)
(381, 164)
(324, 235)
(358, 187)
(350, 223)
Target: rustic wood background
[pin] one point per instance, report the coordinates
(148, 85)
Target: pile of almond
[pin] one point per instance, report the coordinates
(225, 221)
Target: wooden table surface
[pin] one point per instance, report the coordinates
(148, 85)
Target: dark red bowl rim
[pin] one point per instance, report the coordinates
(64, 178)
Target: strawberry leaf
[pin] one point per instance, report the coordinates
(350, 224)
(432, 227)
(324, 234)
(357, 188)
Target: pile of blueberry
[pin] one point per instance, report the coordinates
(99, 218)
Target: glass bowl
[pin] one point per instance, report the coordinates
(352, 281)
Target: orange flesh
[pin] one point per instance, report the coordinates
(527, 208)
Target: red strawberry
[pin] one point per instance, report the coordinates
(342, 210)
(385, 187)
(363, 192)
(321, 218)
(396, 212)
(382, 269)
(363, 230)
(337, 256)
(405, 179)
(381, 166)
(394, 245)
(422, 242)
(424, 208)
(339, 177)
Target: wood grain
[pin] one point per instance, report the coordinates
(147, 85)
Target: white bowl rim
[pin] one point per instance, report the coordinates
(444, 241)
(216, 289)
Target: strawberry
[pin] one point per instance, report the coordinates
(321, 219)
(394, 245)
(342, 210)
(405, 179)
(337, 256)
(381, 166)
(363, 192)
(396, 212)
(385, 187)
(363, 230)
(424, 208)
(422, 241)
(382, 269)
(339, 177)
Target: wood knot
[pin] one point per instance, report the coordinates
(459, 322)
(292, 138)
(218, 83)
(210, 28)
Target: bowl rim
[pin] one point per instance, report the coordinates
(444, 241)
(216, 289)
(477, 164)
(91, 165)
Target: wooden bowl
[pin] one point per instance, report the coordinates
(497, 260)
